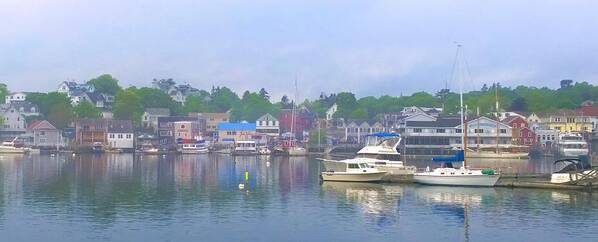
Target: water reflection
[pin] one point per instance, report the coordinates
(96, 197)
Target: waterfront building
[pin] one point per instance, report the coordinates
(120, 134)
(149, 119)
(15, 115)
(42, 134)
(15, 97)
(534, 121)
(330, 112)
(166, 132)
(303, 121)
(568, 121)
(546, 138)
(268, 125)
(357, 130)
(231, 132)
(90, 131)
(590, 110)
(212, 120)
(187, 130)
(443, 135)
(522, 133)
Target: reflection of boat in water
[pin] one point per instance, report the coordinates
(574, 171)
(350, 170)
(245, 147)
(572, 145)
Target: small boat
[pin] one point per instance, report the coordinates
(97, 147)
(263, 150)
(572, 145)
(381, 152)
(447, 175)
(11, 147)
(350, 170)
(245, 147)
(296, 151)
(198, 147)
(574, 170)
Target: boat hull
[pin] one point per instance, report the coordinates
(353, 176)
(457, 180)
(13, 150)
(497, 156)
(192, 152)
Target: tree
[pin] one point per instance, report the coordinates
(264, 94)
(128, 106)
(105, 84)
(519, 105)
(86, 109)
(155, 98)
(566, 83)
(195, 104)
(55, 107)
(285, 102)
(3, 91)
(317, 136)
(222, 99)
(251, 107)
(346, 104)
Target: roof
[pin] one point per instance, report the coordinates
(589, 110)
(95, 97)
(510, 119)
(120, 126)
(175, 118)
(25, 106)
(267, 117)
(441, 122)
(158, 111)
(236, 126)
(41, 124)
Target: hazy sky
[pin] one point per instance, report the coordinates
(367, 47)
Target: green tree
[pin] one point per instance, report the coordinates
(222, 99)
(195, 104)
(128, 106)
(317, 136)
(346, 104)
(251, 107)
(55, 107)
(3, 91)
(105, 84)
(86, 109)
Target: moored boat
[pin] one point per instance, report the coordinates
(245, 147)
(447, 175)
(350, 170)
(382, 152)
(572, 145)
(11, 147)
(574, 170)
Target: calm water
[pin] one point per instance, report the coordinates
(122, 198)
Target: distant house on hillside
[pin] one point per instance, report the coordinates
(70, 87)
(16, 97)
(149, 119)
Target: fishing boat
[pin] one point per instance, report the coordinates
(350, 170)
(245, 147)
(382, 152)
(11, 147)
(572, 145)
(464, 176)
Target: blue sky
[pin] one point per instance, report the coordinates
(367, 47)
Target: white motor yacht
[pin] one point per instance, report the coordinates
(350, 170)
(382, 152)
(573, 170)
(572, 145)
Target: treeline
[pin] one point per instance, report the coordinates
(130, 103)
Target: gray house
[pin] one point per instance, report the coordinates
(42, 134)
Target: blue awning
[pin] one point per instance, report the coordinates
(458, 157)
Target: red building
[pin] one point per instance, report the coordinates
(522, 133)
(304, 120)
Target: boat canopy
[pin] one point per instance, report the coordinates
(458, 157)
(384, 135)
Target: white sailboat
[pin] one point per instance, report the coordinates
(292, 149)
(464, 176)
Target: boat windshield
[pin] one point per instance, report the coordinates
(363, 165)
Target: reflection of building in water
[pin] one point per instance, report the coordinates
(378, 202)
(292, 171)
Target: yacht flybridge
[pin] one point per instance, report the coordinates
(382, 152)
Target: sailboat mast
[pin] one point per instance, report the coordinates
(497, 118)
(463, 130)
(293, 115)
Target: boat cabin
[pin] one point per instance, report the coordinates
(342, 166)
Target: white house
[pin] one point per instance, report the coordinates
(268, 125)
(15, 96)
(70, 87)
(331, 111)
(534, 121)
(14, 123)
(120, 135)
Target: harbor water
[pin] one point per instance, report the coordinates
(122, 197)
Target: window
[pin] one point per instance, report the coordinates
(440, 130)
(503, 131)
(458, 131)
(478, 131)
(112, 136)
(120, 136)
(417, 130)
(353, 166)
